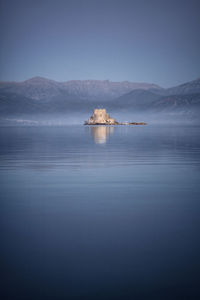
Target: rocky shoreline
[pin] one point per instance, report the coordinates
(115, 123)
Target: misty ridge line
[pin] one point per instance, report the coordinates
(37, 79)
(39, 97)
(97, 88)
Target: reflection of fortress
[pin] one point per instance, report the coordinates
(101, 133)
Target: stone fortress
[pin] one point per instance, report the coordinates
(101, 117)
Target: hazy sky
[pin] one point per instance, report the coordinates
(137, 40)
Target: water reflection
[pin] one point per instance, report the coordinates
(78, 146)
(101, 133)
(83, 203)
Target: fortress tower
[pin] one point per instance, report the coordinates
(100, 117)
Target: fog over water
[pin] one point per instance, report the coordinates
(78, 118)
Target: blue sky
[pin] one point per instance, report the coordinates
(143, 41)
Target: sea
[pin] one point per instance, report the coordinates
(100, 212)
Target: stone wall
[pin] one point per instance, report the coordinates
(100, 116)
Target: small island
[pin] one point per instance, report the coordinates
(101, 117)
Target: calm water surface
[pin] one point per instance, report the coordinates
(100, 212)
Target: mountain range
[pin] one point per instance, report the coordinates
(39, 88)
(41, 96)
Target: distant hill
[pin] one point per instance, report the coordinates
(136, 99)
(181, 104)
(182, 99)
(192, 87)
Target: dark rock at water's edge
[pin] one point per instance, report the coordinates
(135, 123)
(116, 123)
(101, 117)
